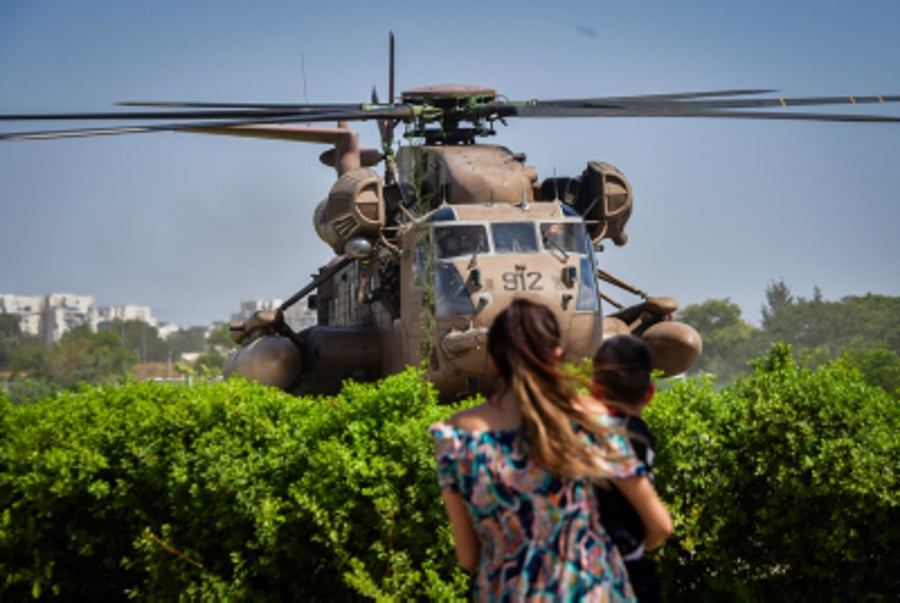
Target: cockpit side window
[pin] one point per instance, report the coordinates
(514, 237)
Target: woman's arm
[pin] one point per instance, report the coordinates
(653, 513)
(468, 546)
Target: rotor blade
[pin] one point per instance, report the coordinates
(788, 102)
(676, 111)
(260, 106)
(673, 104)
(399, 112)
(660, 97)
(787, 115)
(149, 115)
(658, 106)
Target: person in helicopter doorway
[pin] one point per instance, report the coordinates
(516, 473)
(622, 368)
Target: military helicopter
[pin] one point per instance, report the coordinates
(429, 251)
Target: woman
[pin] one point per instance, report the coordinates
(516, 475)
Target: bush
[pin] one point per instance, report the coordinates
(783, 486)
(226, 491)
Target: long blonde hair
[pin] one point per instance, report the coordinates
(523, 342)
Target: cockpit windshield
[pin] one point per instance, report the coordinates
(564, 236)
(465, 240)
(460, 240)
(514, 237)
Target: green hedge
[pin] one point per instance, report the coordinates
(227, 491)
(783, 487)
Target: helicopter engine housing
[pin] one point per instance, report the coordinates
(605, 199)
(353, 208)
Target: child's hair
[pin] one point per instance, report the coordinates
(622, 368)
(524, 342)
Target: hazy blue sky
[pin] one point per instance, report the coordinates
(191, 225)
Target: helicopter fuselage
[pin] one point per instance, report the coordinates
(425, 263)
(459, 267)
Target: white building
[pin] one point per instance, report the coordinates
(27, 307)
(165, 329)
(52, 316)
(127, 312)
(63, 312)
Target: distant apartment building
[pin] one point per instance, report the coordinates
(165, 329)
(62, 312)
(27, 307)
(52, 316)
(126, 313)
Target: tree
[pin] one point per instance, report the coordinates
(210, 363)
(220, 338)
(779, 297)
(141, 338)
(879, 367)
(16, 346)
(27, 355)
(728, 341)
(185, 341)
(9, 335)
(82, 356)
(822, 330)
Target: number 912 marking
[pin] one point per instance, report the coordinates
(522, 281)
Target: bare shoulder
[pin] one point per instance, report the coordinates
(483, 417)
(471, 419)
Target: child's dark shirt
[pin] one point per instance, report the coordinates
(623, 524)
(621, 521)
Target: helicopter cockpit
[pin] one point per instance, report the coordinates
(472, 260)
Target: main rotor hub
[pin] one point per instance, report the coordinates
(448, 105)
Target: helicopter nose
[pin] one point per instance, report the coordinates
(466, 349)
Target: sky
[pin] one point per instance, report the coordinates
(191, 225)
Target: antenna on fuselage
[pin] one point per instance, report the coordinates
(555, 186)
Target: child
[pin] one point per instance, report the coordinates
(621, 379)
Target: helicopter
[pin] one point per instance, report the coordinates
(428, 252)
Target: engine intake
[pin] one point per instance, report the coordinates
(353, 208)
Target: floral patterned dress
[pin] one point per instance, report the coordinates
(541, 537)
